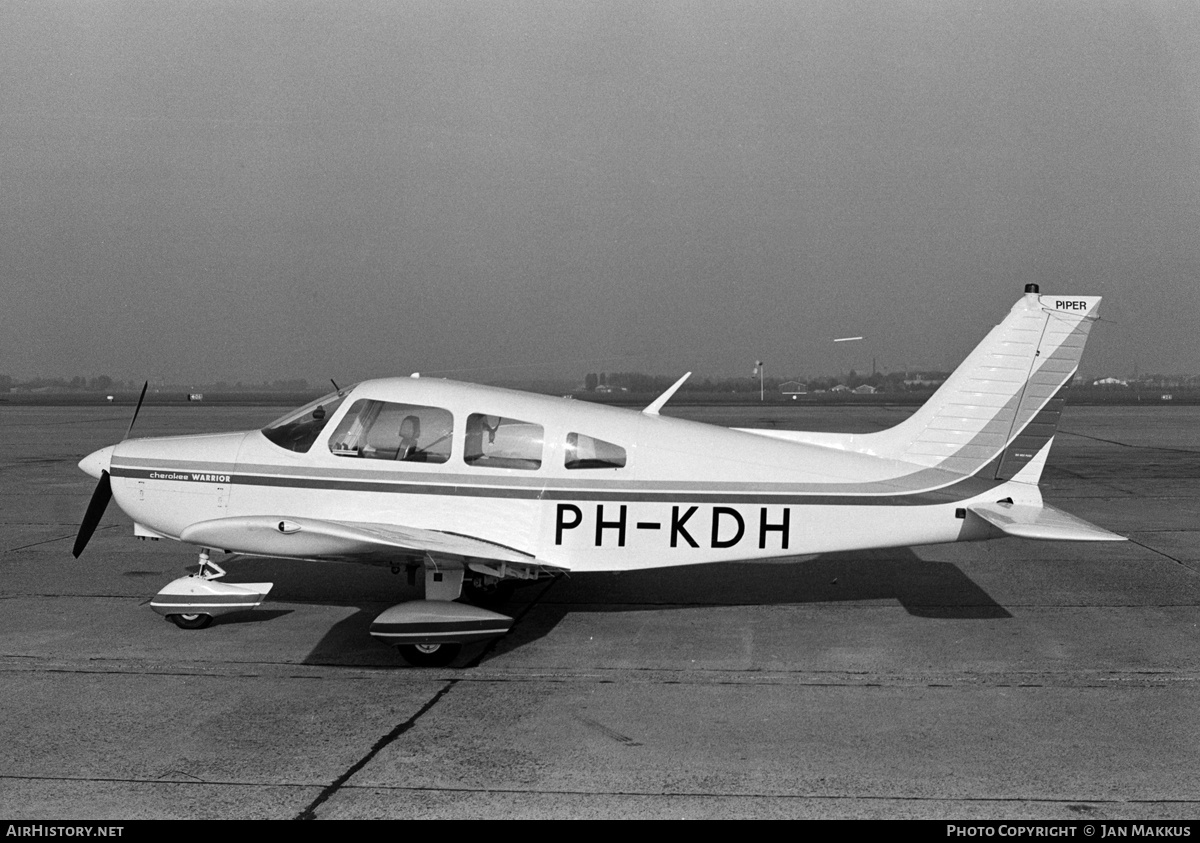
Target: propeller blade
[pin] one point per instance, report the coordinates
(95, 512)
(135, 413)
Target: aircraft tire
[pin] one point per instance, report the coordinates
(429, 655)
(197, 621)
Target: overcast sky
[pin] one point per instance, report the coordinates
(261, 190)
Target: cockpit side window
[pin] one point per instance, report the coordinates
(297, 430)
(496, 442)
(589, 452)
(383, 430)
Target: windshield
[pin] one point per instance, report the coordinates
(297, 430)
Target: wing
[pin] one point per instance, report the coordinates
(1041, 522)
(345, 541)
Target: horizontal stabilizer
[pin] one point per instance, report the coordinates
(1041, 522)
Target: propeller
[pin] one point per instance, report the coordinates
(136, 410)
(95, 512)
(103, 492)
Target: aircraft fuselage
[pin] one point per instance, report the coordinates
(685, 493)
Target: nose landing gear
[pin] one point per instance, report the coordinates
(193, 601)
(191, 621)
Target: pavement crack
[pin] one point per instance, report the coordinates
(607, 732)
(383, 743)
(1093, 480)
(55, 539)
(387, 740)
(181, 773)
(1128, 445)
(695, 793)
(1165, 555)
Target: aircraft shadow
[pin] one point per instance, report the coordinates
(927, 589)
(923, 588)
(258, 616)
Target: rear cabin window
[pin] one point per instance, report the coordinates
(382, 430)
(496, 442)
(589, 452)
(299, 429)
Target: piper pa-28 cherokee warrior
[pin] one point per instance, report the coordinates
(484, 487)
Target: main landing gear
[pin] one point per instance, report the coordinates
(488, 592)
(429, 655)
(431, 632)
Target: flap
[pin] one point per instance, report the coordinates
(1041, 522)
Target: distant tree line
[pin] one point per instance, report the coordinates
(643, 383)
(104, 383)
(75, 384)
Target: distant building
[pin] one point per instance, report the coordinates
(841, 387)
(794, 388)
(1110, 382)
(865, 389)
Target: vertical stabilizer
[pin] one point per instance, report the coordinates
(999, 410)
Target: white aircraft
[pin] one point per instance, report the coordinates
(483, 487)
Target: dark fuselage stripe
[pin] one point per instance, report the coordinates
(966, 488)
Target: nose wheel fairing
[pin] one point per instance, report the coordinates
(193, 601)
(194, 594)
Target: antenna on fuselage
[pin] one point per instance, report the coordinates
(653, 409)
